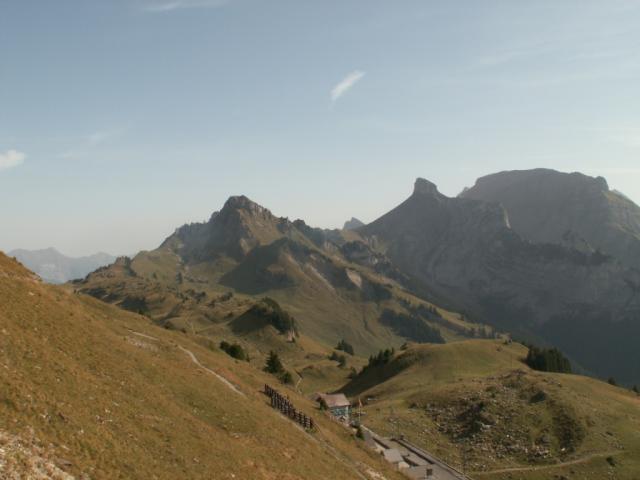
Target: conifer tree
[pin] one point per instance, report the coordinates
(273, 365)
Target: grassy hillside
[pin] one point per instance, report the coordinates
(477, 405)
(339, 301)
(91, 390)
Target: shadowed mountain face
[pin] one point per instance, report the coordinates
(54, 267)
(568, 209)
(466, 253)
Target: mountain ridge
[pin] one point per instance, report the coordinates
(334, 283)
(55, 267)
(459, 253)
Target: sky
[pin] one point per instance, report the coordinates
(121, 120)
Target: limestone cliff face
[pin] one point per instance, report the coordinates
(465, 251)
(569, 209)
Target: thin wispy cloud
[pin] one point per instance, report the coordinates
(11, 158)
(90, 142)
(102, 136)
(169, 6)
(346, 84)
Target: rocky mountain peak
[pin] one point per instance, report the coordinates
(602, 183)
(425, 187)
(352, 224)
(241, 202)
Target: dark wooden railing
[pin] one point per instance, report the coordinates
(285, 406)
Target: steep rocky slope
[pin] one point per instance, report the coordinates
(465, 253)
(565, 208)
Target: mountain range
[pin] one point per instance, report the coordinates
(412, 316)
(332, 282)
(54, 267)
(550, 271)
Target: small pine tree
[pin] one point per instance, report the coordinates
(273, 365)
(287, 378)
(612, 381)
(635, 389)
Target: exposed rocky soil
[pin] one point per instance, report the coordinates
(26, 458)
(508, 417)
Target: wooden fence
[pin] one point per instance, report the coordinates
(285, 406)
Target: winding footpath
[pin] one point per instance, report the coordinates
(195, 360)
(536, 468)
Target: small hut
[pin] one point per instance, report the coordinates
(337, 404)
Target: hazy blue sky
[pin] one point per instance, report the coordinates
(122, 119)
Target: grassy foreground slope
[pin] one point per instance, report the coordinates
(90, 391)
(477, 405)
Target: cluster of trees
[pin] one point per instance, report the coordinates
(547, 360)
(381, 358)
(345, 346)
(432, 314)
(482, 332)
(428, 311)
(274, 366)
(278, 317)
(612, 381)
(234, 350)
(411, 327)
